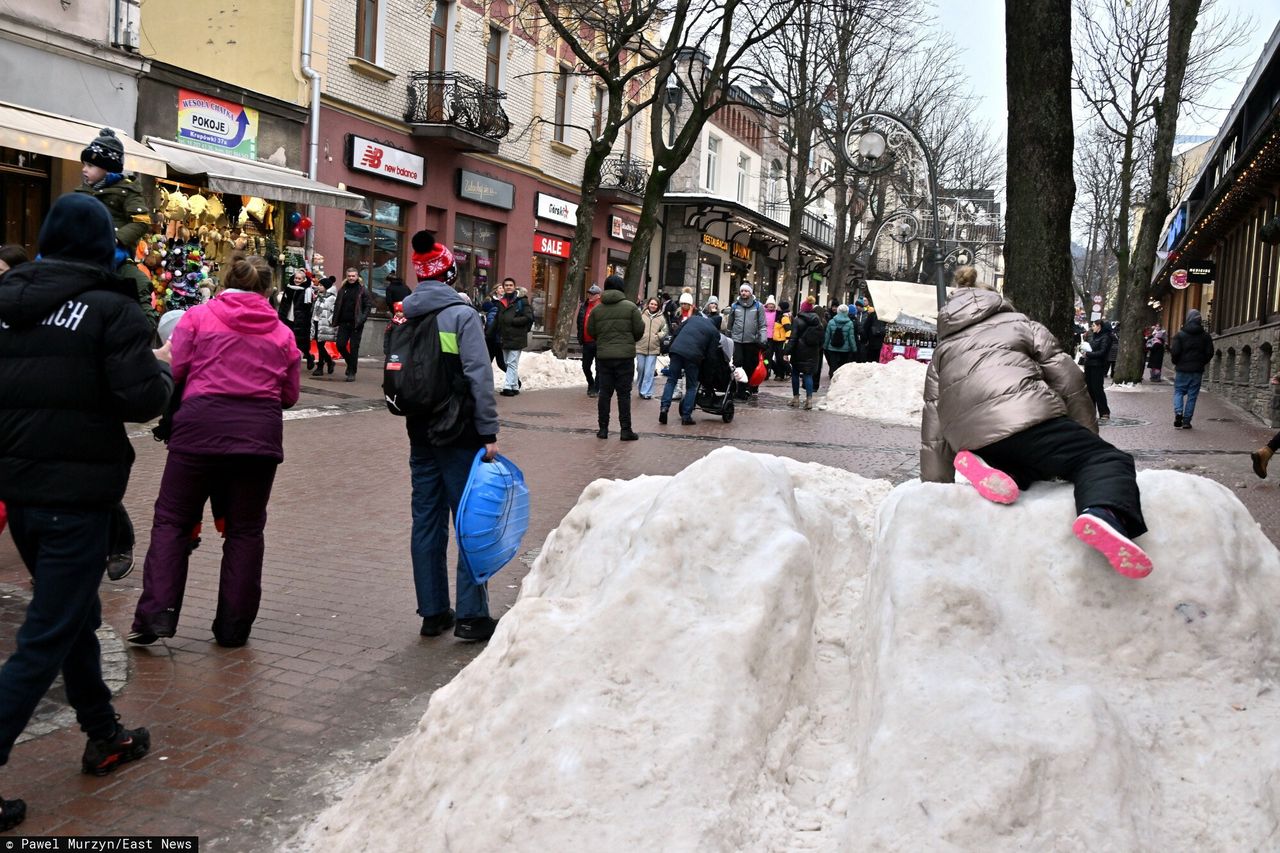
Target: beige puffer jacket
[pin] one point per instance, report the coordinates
(995, 373)
(655, 327)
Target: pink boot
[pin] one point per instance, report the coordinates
(1125, 557)
(992, 483)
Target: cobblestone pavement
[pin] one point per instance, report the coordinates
(248, 743)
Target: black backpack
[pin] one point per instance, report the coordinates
(417, 381)
(812, 335)
(837, 337)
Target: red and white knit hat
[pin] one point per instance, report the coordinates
(432, 261)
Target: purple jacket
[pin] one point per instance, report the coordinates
(240, 368)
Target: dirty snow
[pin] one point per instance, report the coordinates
(542, 370)
(891, 393)
(848, 680)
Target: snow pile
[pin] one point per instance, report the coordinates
(891, 393)
(985, 683)
(542, 370)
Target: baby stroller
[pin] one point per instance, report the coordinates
(717, 386)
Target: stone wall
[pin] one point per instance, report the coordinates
(1243, 364)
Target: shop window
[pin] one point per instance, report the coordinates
(713, 163)
(493, 59)
(375, 245)
(708, 279)
(545, 283)
(475, 249)
(367, 30)
(562, 103)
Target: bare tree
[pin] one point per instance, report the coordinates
(1097, 166)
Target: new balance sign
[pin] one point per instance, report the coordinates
(366, 155)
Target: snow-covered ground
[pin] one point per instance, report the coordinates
(891, 393)
(542, 370)
(859, 670)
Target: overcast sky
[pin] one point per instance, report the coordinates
(977, 26)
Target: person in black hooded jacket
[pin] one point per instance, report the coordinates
(75, 365)
(1191, 351)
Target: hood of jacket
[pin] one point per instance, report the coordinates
(1194, 324)
(245, 312)
(967, 306)
(612, 297)
(430, 296)
(841, 320)
(31, 291)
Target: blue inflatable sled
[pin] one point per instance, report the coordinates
(492, 516)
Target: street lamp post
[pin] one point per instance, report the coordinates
(873, 135)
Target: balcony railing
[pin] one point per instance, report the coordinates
(457, 100)
(814, 227)
(625, 174)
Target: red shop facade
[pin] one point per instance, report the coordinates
(500, 221)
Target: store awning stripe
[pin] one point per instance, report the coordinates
(65, 137)
(251, 177)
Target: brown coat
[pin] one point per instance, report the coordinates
(995, 373)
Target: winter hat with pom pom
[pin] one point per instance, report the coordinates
(432, 261)
(105, 152)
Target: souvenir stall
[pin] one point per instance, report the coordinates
(910, 314)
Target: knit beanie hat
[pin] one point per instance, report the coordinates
(105, 152)
(614, 282)
(432, 261)
(78, 228)
(686, 299)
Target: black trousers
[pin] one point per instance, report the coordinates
(322, 354)
(615, 374)
(349, 346)
(836, 359)
(495, 353)
(1093, 376)
(779, 367)
(1063, 449)
(746, 356)
(588, 359)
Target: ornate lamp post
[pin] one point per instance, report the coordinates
(878, 143)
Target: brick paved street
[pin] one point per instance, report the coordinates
(250, 742)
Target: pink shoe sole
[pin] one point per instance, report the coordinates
(992, 483)
(1125, 557)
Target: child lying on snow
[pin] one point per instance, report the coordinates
(1006, 407)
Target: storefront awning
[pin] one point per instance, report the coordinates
(905, 303)
(65, 137)
(225, 173)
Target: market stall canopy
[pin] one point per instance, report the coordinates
(229, 174)
(906, 303)
(65, 137)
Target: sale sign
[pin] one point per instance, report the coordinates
(554, 246)
(217, 125)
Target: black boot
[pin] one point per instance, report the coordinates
(12, 813)
(103, 756)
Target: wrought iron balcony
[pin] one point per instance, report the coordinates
(449, 105)
(624, 175)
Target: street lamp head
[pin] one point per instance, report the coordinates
(871, 145)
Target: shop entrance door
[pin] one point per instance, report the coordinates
(546, 282)
(24, 197)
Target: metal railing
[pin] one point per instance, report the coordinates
(458, 100)
(626, 174)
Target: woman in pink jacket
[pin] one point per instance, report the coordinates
(238, 368)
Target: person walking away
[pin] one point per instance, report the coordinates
(804, 352)
(75, 365)
(442, 447)
(1155, 353)
(584, 338)
(616, 325)
(295, 311)
(489, 309)
(1191, 351)
(696, 339)
(1096, 363)
(746, 326)
(395, 293)
(649, 347)
(322, 330)
(870, 331)
(840, 340)
(239, 367)
(350, 311)
(778, 342)
(514, 322)
(1006, 407)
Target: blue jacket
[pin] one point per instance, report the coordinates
(696, 339)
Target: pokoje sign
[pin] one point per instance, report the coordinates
(554, 246)
(217, 125)
(485, 190)
(556, 209)
(378, 158)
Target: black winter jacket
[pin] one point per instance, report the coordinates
(75, 365)
(1100, 346)
(515, 319)
(805, 357)
(696, 338)
(1191, 349)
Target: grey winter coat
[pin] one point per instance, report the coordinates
(322, 328)
(744, 324)
(994, 373)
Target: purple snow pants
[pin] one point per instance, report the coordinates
(188, 481)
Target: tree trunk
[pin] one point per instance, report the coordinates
(1041, 189)
(1136, 313)
(654, 192)
(580, 253)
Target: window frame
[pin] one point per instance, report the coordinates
(560, 132)
(366, 46)
(744, 177)
(439, 37)
(493, 58)
(712, 163)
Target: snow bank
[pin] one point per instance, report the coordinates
(891, 393)
(542, 370)
(984, 682)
